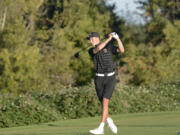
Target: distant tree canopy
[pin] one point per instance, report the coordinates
(38, 39)
(157, 12)
(19, 61)
(156, 57)
(61, 30)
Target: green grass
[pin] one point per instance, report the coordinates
(162, 123)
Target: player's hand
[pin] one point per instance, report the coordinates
(110, 36)
(115, 35)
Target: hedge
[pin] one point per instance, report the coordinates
(72, 103)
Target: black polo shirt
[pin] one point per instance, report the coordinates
(103, 60)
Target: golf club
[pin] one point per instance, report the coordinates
(76, 55)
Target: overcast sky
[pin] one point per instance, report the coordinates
(128, 10)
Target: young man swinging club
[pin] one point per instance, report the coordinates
(104, 67)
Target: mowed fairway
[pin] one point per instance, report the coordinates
(163, 123)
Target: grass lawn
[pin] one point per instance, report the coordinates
(162, 123)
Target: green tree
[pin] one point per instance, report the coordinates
(19, 59)
(61, 30)
(154, 65)
(153, 59)
(157, 12)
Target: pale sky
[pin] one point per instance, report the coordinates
(128, 10)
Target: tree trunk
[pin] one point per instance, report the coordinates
(4, 19)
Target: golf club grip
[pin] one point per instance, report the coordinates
(76, 55)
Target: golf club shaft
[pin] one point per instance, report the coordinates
(83, 49)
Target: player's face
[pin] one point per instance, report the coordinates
(94, 40)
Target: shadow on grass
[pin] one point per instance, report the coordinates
(52, 125)
(83, 134)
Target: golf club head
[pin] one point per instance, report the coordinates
(76, 55)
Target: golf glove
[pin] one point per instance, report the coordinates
(115, 35)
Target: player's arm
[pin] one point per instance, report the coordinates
(102, 45)
(120, 45)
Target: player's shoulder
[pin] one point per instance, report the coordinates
(90, 51)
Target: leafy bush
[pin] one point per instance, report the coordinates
(22, 110)
(143, 99)
(78, 103)
(36, 107)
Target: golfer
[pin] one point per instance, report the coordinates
(101, 53)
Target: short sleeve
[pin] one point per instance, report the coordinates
(90, 51)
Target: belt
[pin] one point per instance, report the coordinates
(106, 74)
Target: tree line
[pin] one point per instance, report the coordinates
(38, 39)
